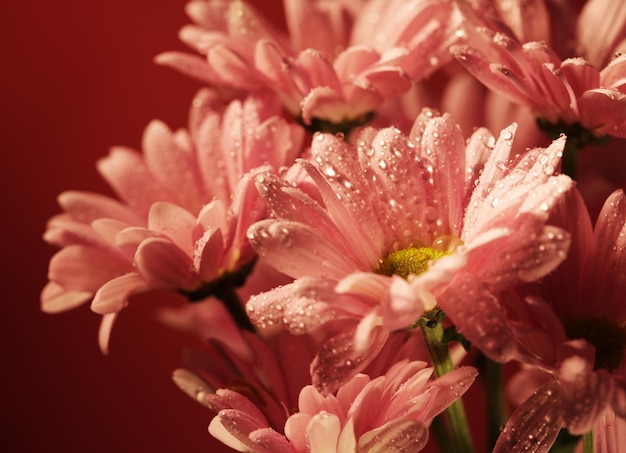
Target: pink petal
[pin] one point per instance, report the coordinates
(173, 165)
(600, 27)
(219, 431)
(62, 230)
(403, 434)
(580, 75)
(79, 268)
(448, 181)
(355, 60)
(129, 239)
(213, 214)
(614, 74)
(609, 432)
(104, 333)
(317, 25)
(534, 425)
(239, 424)
(450, 387)
(208, 256)
(247, 207)
(233, 68)
(298, 250)
(123, 169)
(389, 81)
(317, 71)
(484, 322)
(584, 400)
(87, 207)
(300, 306)
(163, 265)
(55, 299)
(353, 215)
(113, 295)
(604, 110)
(338, 360)
(608, 280)
(278, 69)
(272, 440)
(295, 430)
(498, 78)
(109, 229)
(193, 66)
(174, 222)
(323, 432)
(323, 103)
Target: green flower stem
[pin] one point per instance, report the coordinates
(588, 442)
(578, 138)
(569, 162)
(496, 406)
(230, 299)
(223, 288)
(432, 328)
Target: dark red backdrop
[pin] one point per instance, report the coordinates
(77, 78)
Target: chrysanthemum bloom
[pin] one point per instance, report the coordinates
(338, 63)
(247, 381)
(578, 334)
(252, 381)
(401, 217)
(366, 414)
(582, 95)
(184, 209)
(391, 412)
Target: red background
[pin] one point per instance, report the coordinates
(77, 78)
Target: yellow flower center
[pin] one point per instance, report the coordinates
(409, 261)
(608, 338)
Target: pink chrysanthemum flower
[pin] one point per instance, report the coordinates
(395, 409)
(584, 94)
(252, 384)
(391, 412)
(578, 335)
(402, 217)
(184, 209)
(338, 63)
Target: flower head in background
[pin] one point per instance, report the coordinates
(578, 335)
(405, 223)
(185, 205)
(338, 63)
(582, 95)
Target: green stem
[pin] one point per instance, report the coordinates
(569, 162)
(588, 442)
(433, 331)
(230, 299)
(496, 406)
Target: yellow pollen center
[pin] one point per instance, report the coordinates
(608, 338)
(409, 261)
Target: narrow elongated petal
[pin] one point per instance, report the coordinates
(534, 425)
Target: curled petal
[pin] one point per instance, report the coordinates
(403, 434)
(605, 110)
(104, 333)
(113, 295)
(55, 299)
(163, 265)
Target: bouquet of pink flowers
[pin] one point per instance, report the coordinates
(375, 209)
